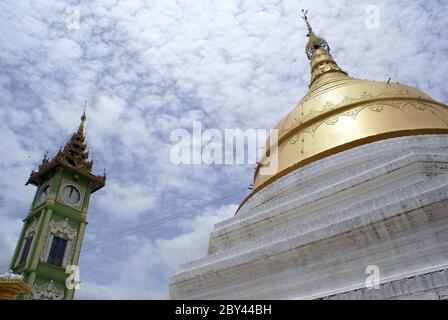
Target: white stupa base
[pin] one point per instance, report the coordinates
(313, 233)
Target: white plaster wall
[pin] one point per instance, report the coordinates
(312, 233)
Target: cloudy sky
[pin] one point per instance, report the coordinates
(149, 67)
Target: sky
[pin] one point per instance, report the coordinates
(147, 68)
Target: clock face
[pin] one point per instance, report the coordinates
(71, 195)
(43, 194)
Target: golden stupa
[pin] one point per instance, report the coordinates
(339, 112)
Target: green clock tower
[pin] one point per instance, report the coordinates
(49, 246)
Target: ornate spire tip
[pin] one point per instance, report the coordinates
(305, 18)
(84, 117)
(314, 42)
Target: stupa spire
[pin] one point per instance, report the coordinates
(305, 18)
(314, 42)
(318, 52)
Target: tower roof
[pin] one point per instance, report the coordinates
(340, 112)
(75, 150)
(74, 156)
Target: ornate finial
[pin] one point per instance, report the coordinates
(45, 160)
(318, 52)
(83, 119)
(314, 42)
(305, 18)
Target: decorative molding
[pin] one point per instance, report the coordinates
(364, 97)
(58, 228)
(32, 228)
(433, 108)
(62, 227)
(46, 291)
(423, 283)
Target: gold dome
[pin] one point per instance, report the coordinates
(339, 112)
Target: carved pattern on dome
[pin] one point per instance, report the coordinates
(436, 110)
(353, 112)
(331, 121)
(376, 108)
(391, 90)
(294, 139)
(330, 106)
(421, 107)
(424, 106)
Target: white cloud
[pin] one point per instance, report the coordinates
(62, 51)
(10, 231)
(143, 273)
(123, 202)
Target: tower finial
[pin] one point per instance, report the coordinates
(305, 18)
(314, 42)
(83, 119)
